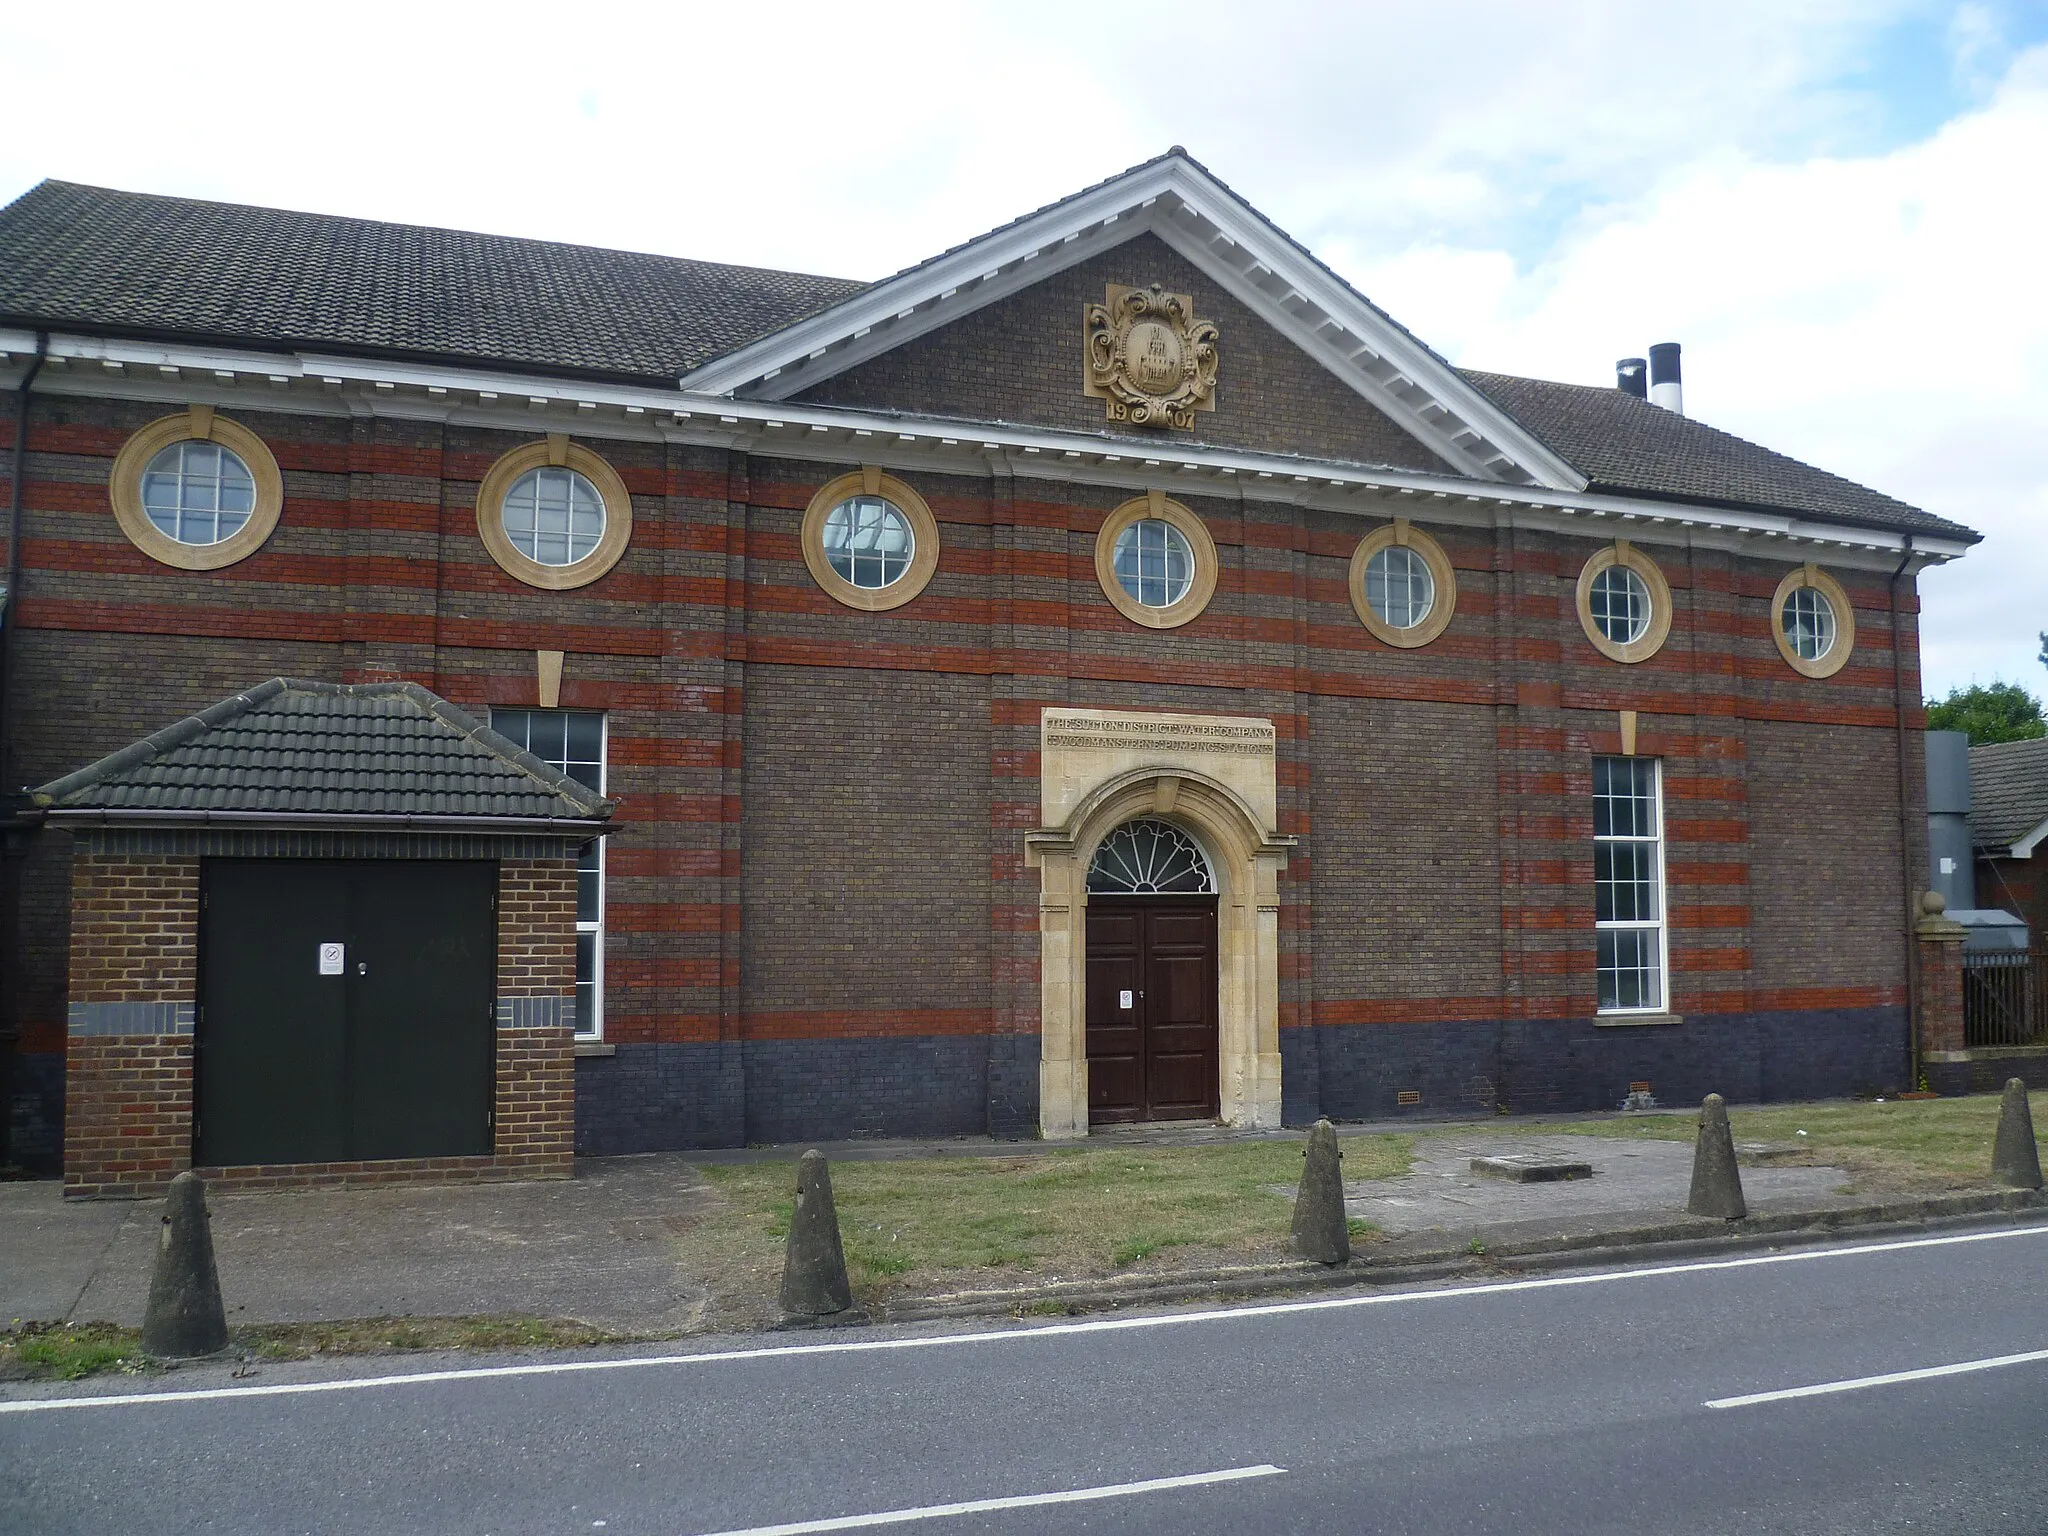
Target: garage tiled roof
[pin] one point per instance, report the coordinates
(102, 260)
(2008, 791)
(294, 748)
(93, 259)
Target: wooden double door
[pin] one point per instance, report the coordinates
(1151, 1008)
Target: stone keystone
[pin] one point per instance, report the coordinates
(2015, 1160)
(814, 1264)
(1321, 1230)
(185, 1317)
(1716, 1181)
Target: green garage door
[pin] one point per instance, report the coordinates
(345, 1010)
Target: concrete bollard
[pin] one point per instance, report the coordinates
(1321, 1230)
(813, 1264)
(185, 1316)
(2015, 1159)
(1716, 1181)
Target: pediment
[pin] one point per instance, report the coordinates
(1167, 221)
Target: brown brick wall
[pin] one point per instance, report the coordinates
(535, 1103)
(1406, 863)
(2019, 886)
(127, 1113)
(821, 809)
(1828, 907)
(866, 869)
(134, 929)
(536, 927)
(1939, 981)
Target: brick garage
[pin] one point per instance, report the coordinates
(151, 831)
(819, 915)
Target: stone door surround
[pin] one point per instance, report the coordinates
(1214, 776)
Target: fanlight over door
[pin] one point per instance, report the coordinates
(1150, 858)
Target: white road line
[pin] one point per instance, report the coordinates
(1026, 1334)
(1025, 1501)
(1889, 1379)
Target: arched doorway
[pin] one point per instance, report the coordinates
(1151, 1003)
(1246, 854)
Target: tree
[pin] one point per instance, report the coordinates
(1991, 712)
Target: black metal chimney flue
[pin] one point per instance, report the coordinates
(1665, 388)
(1631, 377)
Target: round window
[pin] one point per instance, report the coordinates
(1402, 586)
(1624, 603)
(1399, 587)
(1620, 604)
(1813, 623)
(198, 492)
(1154, 562)
(554, 516)
(1808, 619)
(869, 542)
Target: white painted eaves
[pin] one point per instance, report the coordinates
(1180, 202)
(2024, 848)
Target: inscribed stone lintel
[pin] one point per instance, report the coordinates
(1079, 750)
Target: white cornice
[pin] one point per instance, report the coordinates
(1217, 231)
(324, 385)
(2024, 848)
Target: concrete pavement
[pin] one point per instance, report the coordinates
(597, 1249)
(602, 1249)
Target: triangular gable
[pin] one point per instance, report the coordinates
(1176, 199)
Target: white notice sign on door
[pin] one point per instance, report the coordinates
(330, 959)
(1123, 999)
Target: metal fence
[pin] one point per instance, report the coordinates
(2005, 998)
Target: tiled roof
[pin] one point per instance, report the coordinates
(288, 747)
(93, 259)
(101, 260)
(2008, 791)
(1627, 445)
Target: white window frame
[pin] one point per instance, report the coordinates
(1662, 922)
(596, 927)
(604, 772)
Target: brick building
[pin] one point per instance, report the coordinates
(2009, 828)
(319, 933)
(1108, 671)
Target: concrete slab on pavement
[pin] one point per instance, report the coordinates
(1443, 1193)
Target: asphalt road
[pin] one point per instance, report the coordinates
(1570, 1403)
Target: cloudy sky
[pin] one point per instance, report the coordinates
(1839, 207)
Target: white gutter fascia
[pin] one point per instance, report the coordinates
(1387, 339)
(1360, 381)
(329, 821)
(178, 356)
(956, 270)
(2024, 848)
(503, 400)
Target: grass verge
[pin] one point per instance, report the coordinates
(71, 1351)
(1900, 1144)
(1074, 1213)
